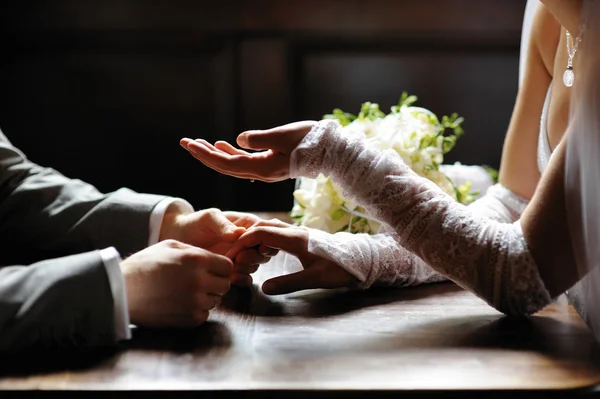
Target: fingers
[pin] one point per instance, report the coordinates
(302, 280)
(265, 166)
(218, 265)
(215, 158)
(184, 142)
(213, 272)
(246, 268)
(221, 161)
(248, 262)
(205, 301)
(228, 148)
(317, 273)
(242, 219)
(248, 220)
(212, 148)
(214, 285)
(222, 226)
(241, 280)
(250, 257)
(291, 240)
(267, 252)
(271, 222)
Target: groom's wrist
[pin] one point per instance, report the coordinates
(170, 223)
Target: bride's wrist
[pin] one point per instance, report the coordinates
(313, 153)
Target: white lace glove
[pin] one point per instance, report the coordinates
(483, 255)
(372, 259)
(379, 259)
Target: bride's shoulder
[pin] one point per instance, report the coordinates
(545, 36)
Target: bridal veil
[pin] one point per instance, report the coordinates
(582, 168)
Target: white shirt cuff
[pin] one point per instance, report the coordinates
(158, 212)
(112, 260)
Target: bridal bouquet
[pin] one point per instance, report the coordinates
(415, 133)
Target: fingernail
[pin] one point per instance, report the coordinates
(236, 230)
(242, 139)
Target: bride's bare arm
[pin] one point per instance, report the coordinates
(567, 12)
(518, 169)
(546, 230)
(544, 222)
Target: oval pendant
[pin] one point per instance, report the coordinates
(568, 77)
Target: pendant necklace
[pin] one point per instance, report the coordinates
(569, 75)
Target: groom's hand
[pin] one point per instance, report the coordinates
(270, 162)
(172, 284)
(208, 229)
(217, 231)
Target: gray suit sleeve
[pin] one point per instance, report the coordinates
(60, 302)
(44, 214)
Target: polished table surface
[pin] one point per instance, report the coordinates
(433, 338)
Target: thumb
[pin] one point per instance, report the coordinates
(281, 139)
(257, 140)
(232, 232)
(226, 229)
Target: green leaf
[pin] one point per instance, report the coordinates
(464, 195)
(343, 228)
(407, 100)
(448, 144)
(337, 215)
(370, 111)
(492, 172)
(452, 122)
(344, 118)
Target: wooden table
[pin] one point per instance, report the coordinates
(435, 339)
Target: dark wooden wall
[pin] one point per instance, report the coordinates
(103, 90)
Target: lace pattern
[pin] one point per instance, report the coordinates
(373, 259)
(483, 255)
(379, 259)
(500, 204)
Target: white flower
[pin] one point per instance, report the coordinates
(412, 132)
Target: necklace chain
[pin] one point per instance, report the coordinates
(569, 75)
(572, 47)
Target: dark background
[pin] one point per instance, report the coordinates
(103, 90)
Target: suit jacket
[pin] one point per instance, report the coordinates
(54, 288)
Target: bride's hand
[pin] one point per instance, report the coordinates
(270, 162)
(318, 272)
